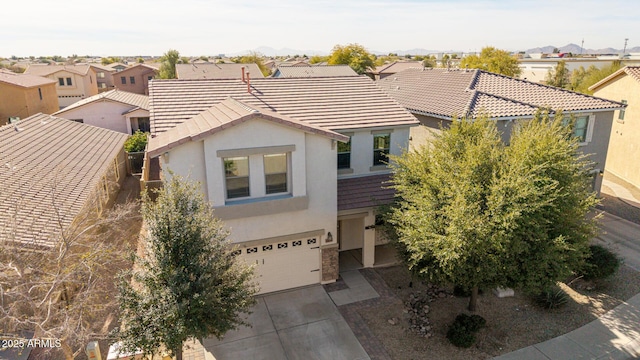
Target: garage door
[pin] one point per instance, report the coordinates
(285, 265)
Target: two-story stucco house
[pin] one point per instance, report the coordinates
(135, 79)
(24, 95)
(438, 96)
(624, 145)
(294, 167)
(115, 110)
(73, 82)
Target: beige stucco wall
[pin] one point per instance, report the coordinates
(313, 192)
(105, 114)
(141, 75)
(24, 102)
(82, 86)
(624, 143)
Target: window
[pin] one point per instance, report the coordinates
(69, 81)
(123, 79)
(381, 146)
(149, 77)
(344, 155)
(132, 80)
(90, 79)
(237, 176)
(100, 75)
(40, 93)
(275, 173)
(144, 124)
(580, 127)
(61, 81)
(621, 113)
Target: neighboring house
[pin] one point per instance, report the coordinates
(313, 71)
(385, 70)
(73, 82)
(54, 172)
(536, 70)
(272, 157)
(217, 71)
(117, 67)
(135, 79)
(437, 96)
(624, 145)
(24, 95)
(115, 110)
(104, 76)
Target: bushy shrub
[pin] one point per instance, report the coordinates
(551, 298)
(136, 142)
(462, 332)
(601, 263)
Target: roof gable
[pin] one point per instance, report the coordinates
(23, 80)
(216, 71)
(45, 70)
(334, 103)
(144, 68)
(633, 71)
(119, 96)
(221, 116)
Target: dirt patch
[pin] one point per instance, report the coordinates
(512, 323)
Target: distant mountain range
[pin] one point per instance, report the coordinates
(569, 48)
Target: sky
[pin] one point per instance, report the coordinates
(212, 27)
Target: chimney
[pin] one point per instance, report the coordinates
(248, 83)
(243, 80)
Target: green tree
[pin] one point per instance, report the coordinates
(140, 60)
(316, 59)
(168, 64)
(585, 78)
(354, 55)
(110, 60)
(136, 142)
(429, 61)
(255, 58)
(188, 285)
(558, 76)
(493, 60)
(479, 214)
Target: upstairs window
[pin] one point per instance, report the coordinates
(123, 80)
(275, 173)
(344, 155)
(381, 146)
(581, 127)
(40, 93)
(69, 81)
(61, 81)
(621, 113)
(237, 176)
(132, 80)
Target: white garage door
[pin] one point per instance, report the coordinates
(285, 265)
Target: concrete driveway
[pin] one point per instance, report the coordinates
(623, 237)
(298, 324)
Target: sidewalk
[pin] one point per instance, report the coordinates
(615, 186)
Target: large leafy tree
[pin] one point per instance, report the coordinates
(493, 60)
(188, 284)
(558, 76)
(255, 58)
(582, 79)
(479, 214)
(168, 64)
(354, 55)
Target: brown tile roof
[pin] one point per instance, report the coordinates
(134, 67)
(216, 71)
(23, 80)
(47, 160)
(124, 97)
(44, 70)
(223, 115)
(364, 192)
(633, 71)
(314, 71)
(397, 66)
(333, 103)
(447, 93)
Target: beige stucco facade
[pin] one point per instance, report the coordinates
(80, 87)
(18, 101)
(624, 143)
(140, 74)
(107, 114)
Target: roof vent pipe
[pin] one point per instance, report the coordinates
(248, 83)
(243, 80)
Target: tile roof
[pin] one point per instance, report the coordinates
(221, 116)
(448, 93)
(44, 70)
(23, 80)
(364, 192)
(216, 71)
(314, 71)
(135, 67)
(124, 97)
(48, 160)
(333, 103)
(633, 71)
(397, 66)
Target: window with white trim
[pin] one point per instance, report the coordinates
(275, 173)
(344, 154)
(582, 127)
(381, 147)
(237, 177)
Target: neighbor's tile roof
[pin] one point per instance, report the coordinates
(44, 70)
(333, 103)
(633, 71)
(23, 80)
(221, 116)
(397, 66)
(363, 192)
(448, 93)
(135, 67)
(124, 97)
(216, 71)
(314, 71)
(48, 160)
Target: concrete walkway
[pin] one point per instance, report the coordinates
(622, 189)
